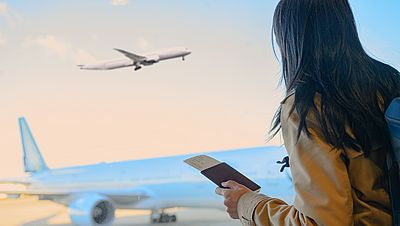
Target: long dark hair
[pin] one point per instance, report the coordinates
(321, 54)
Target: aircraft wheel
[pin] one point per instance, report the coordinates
(173, 218)
(162, 218)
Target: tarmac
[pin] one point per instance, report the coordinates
(31, 212)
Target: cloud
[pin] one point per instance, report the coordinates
(56, 46)
(3, 8)
(82, 56)
(119, 2)
(12, 18)
(48, 42)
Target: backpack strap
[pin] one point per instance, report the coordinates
(394, 187)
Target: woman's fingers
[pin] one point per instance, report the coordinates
(221, 191)
(231, 195)
(231, 184)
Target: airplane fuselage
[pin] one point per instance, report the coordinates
(137, 61)
(172, 183)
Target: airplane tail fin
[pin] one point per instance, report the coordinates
(33, 160)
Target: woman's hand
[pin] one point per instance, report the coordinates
(232, 194)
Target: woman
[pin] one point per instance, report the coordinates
(332, 122)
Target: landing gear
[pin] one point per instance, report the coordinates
(183, 58)
(161, 217)
(137, 67)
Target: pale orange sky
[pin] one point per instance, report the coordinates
(222, 97)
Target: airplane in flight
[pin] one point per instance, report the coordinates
(92, 193)
(139, 60)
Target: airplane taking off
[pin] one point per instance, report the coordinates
(93, 192)
(138, 60)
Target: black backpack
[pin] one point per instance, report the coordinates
(392, 116)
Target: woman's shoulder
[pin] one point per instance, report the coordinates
(290, 116)
(287, 105)
(288, 100)
(289, 97)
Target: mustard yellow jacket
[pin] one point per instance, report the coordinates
(327, 192)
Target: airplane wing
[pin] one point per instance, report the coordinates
(117, 195)
(132, 56)
(16, 180)
(110, 65)
(134, 60)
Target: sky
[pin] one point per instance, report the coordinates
(222, 97)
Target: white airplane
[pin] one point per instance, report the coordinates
(92, 193)
(137, 60)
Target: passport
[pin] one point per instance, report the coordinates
(219, 172)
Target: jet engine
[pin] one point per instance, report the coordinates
(92, 210)
(151, 59)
